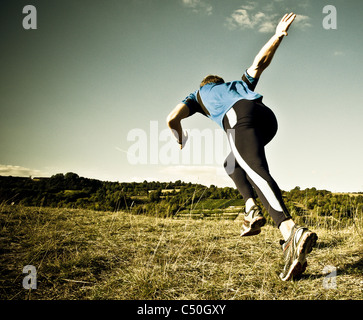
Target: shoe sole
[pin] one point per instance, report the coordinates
(299, 264)
(254, 228)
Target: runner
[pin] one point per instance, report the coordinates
(250, 125)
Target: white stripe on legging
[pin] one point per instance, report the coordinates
(256, 178)
(232, 117)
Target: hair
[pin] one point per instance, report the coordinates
(211, 79)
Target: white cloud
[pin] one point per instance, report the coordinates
(17, 171)
(249, 6)
(244, 19)
(338, 53)
(248, 17)
(304, 4)
(239, 18)
(267, 27)
(198, 6)
(302, 21)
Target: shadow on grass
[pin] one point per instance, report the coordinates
(354, 268)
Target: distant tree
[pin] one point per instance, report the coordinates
(155, 195)
(71, 180)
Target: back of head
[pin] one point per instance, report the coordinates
(211, 79)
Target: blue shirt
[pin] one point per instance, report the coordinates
(218, 98)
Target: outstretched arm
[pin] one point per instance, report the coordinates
(264, 57)
(173, 120)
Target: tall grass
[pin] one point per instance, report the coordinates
(81, 254)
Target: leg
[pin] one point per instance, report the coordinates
(254, 129)
(250, 156)
(286, 228)
(256, 125)
(238, 175)
(252, 219)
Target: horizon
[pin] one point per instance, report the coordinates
(89, 89)
(167, 182)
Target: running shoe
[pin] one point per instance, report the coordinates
(253, 220)
(295, 249)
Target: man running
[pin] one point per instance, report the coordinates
(250, 125)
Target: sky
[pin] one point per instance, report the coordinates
(89, 89)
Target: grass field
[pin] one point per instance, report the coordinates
(80, 254)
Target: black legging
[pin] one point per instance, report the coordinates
(250, 125)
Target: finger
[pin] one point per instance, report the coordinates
(292, 18)
(282, 20)
(287, 17)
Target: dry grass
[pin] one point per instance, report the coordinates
(82, 254)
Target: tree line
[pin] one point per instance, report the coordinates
(157, 198)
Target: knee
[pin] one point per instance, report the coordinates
(230, 164)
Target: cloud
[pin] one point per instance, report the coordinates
(302, 21)
(198, 6)
(249, 5)
(267, 27)
(249, 17)
(245, 19)
(338, 53)
(17, 171)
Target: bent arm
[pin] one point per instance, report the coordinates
(173, 121)
(264, 57)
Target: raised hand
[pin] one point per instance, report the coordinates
(284, 24)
